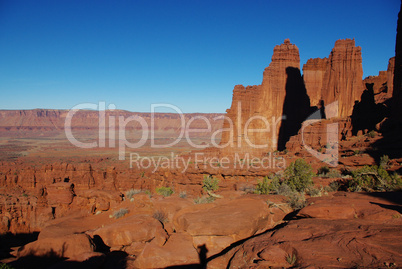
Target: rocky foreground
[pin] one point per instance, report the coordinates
(238, 230)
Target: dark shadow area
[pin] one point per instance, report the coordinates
(393, 197)
(9, 241)
(392, 207)
(102, 258)
(296, 107)
(100, 246)
(366, 113)
(35, 261)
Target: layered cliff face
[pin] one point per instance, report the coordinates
(313, 75)
(336, 78)
(261, 107)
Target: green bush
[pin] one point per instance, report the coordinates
(334, 174)
(164, 191)
(373, 178)
(296, 200)
(268, 184)
(384, 160)
(298, 175)
(210, 183)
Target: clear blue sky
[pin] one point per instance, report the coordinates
(57, 54)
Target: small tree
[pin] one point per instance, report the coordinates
(298, 175)
(210, 183)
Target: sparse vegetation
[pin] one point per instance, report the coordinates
(373, 178)
(183, 194)
(384, 160)
(161, 216)
(164, 191)
(5, 266)
(291, 259)
(315, 192)
(298, 175)
(284, 189)
(372, 134)
(333, 186)
(333, 173)
(323, 170)
(130, 193)
(296, 200)
(120, 213)
(268, 184)
(210, 183)
(204, 200)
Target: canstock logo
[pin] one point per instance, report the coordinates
(331, 155)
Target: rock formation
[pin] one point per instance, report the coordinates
(336, 78)
(313, 76)
(281, 93)
(382, 84)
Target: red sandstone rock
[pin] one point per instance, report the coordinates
(68, 246)
(313, 76)
(178, 251)
(265, 100)
(367, 240)
(60, 193)
(136, 228)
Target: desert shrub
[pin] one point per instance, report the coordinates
(314, 192)
(371, 134)
(120, 213)
(298, 175)
(373, 178)
(161, 216)
(130, 193)
(204, 200)
(384, 160)
(284, 189)
(5, 266)
(296, 200)
(183, 194)
(323, 170)
(333, 186)
(268, 184)
(210, 183)
(333, 173)
(291, 259)
(164, 191)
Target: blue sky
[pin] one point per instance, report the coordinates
(57, 54)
